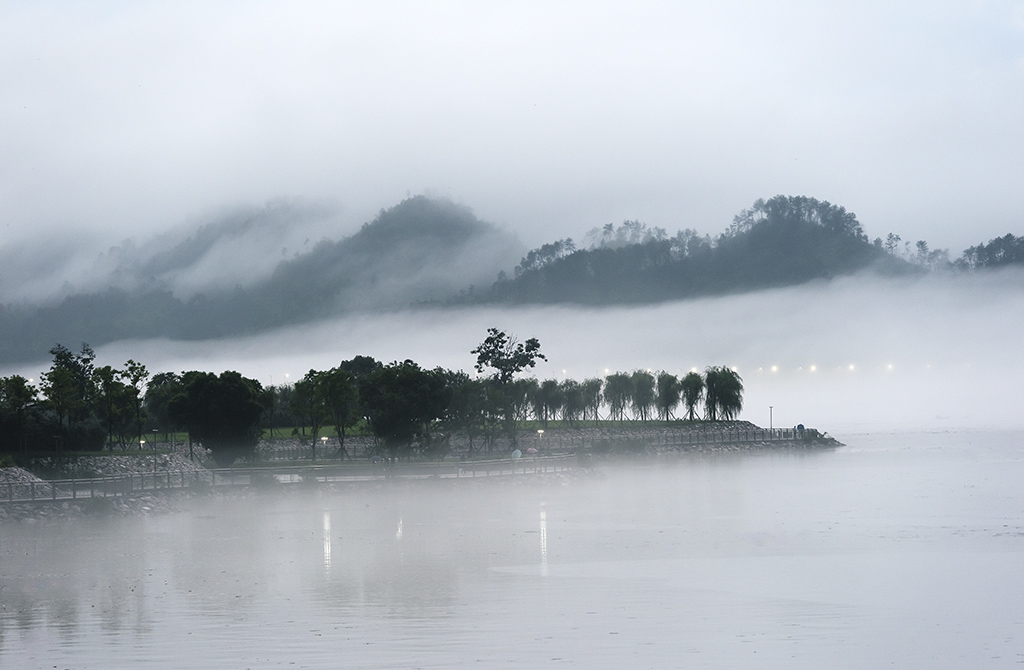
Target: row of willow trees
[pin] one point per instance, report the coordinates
(410, 409)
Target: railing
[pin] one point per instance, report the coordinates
(120, 485)
(98, 487)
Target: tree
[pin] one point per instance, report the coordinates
(506, 355)
(668, 392)
(467, 411)
(402, 400)
(112, 403)
(592, 397)
(307, 404)
(161, 388)
(61, 393)
(618, 391)
(79, 380)
(17, 396)
(1006, 250)
(69, 391)
(340, 397)
(135, 376)
(547, 400)
(724, 394)
(221, 412)
(573, 403)
(643, 394)
(692, 387)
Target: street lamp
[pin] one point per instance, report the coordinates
(770, 417)
(323, 440)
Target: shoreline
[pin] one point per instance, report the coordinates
(589, 446)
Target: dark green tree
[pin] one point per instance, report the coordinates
(724, 393)
(618, 392)
(506, 357)
(113, 405)
(402, 400)
(592, 398)
(692, 387)
(134, 376)
(307, 405)
(17, 398)
(161, 388)
(547, 400)
(573, 403)
(222, 413)
(340, 397)
(644, 396)
(668, 394)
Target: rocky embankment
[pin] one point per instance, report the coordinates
(88, 467)
(609, 439)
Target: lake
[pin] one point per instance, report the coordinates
(897, 550)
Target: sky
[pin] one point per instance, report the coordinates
(123, 119)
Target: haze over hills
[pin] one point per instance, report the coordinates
(237, 276)
(228, 279)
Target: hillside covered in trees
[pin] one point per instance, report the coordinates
(431, 253)
(780, 242)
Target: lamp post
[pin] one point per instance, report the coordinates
(770, 418)
(323, 441)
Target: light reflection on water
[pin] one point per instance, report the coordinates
(896, 550)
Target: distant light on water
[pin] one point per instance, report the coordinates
(327, 540)
(543, 541)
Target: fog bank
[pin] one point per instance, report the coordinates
(856, 354)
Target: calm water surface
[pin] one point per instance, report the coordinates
(896, 551)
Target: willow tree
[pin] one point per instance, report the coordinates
(692, 387)
(723, 393)
(644, 397)
(668, 394)
(618, 391)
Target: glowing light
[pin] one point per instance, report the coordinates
(814, 368)
(851, 367)
(775, 368)
(735, 369)
(890, 366)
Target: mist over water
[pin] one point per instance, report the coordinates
(896, 550)
(855, 354)
(901, 548)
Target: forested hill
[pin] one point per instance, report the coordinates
(420, 249)
(780, 242)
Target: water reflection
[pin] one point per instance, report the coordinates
(543, 541)
(646, 566)
(327, 543)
